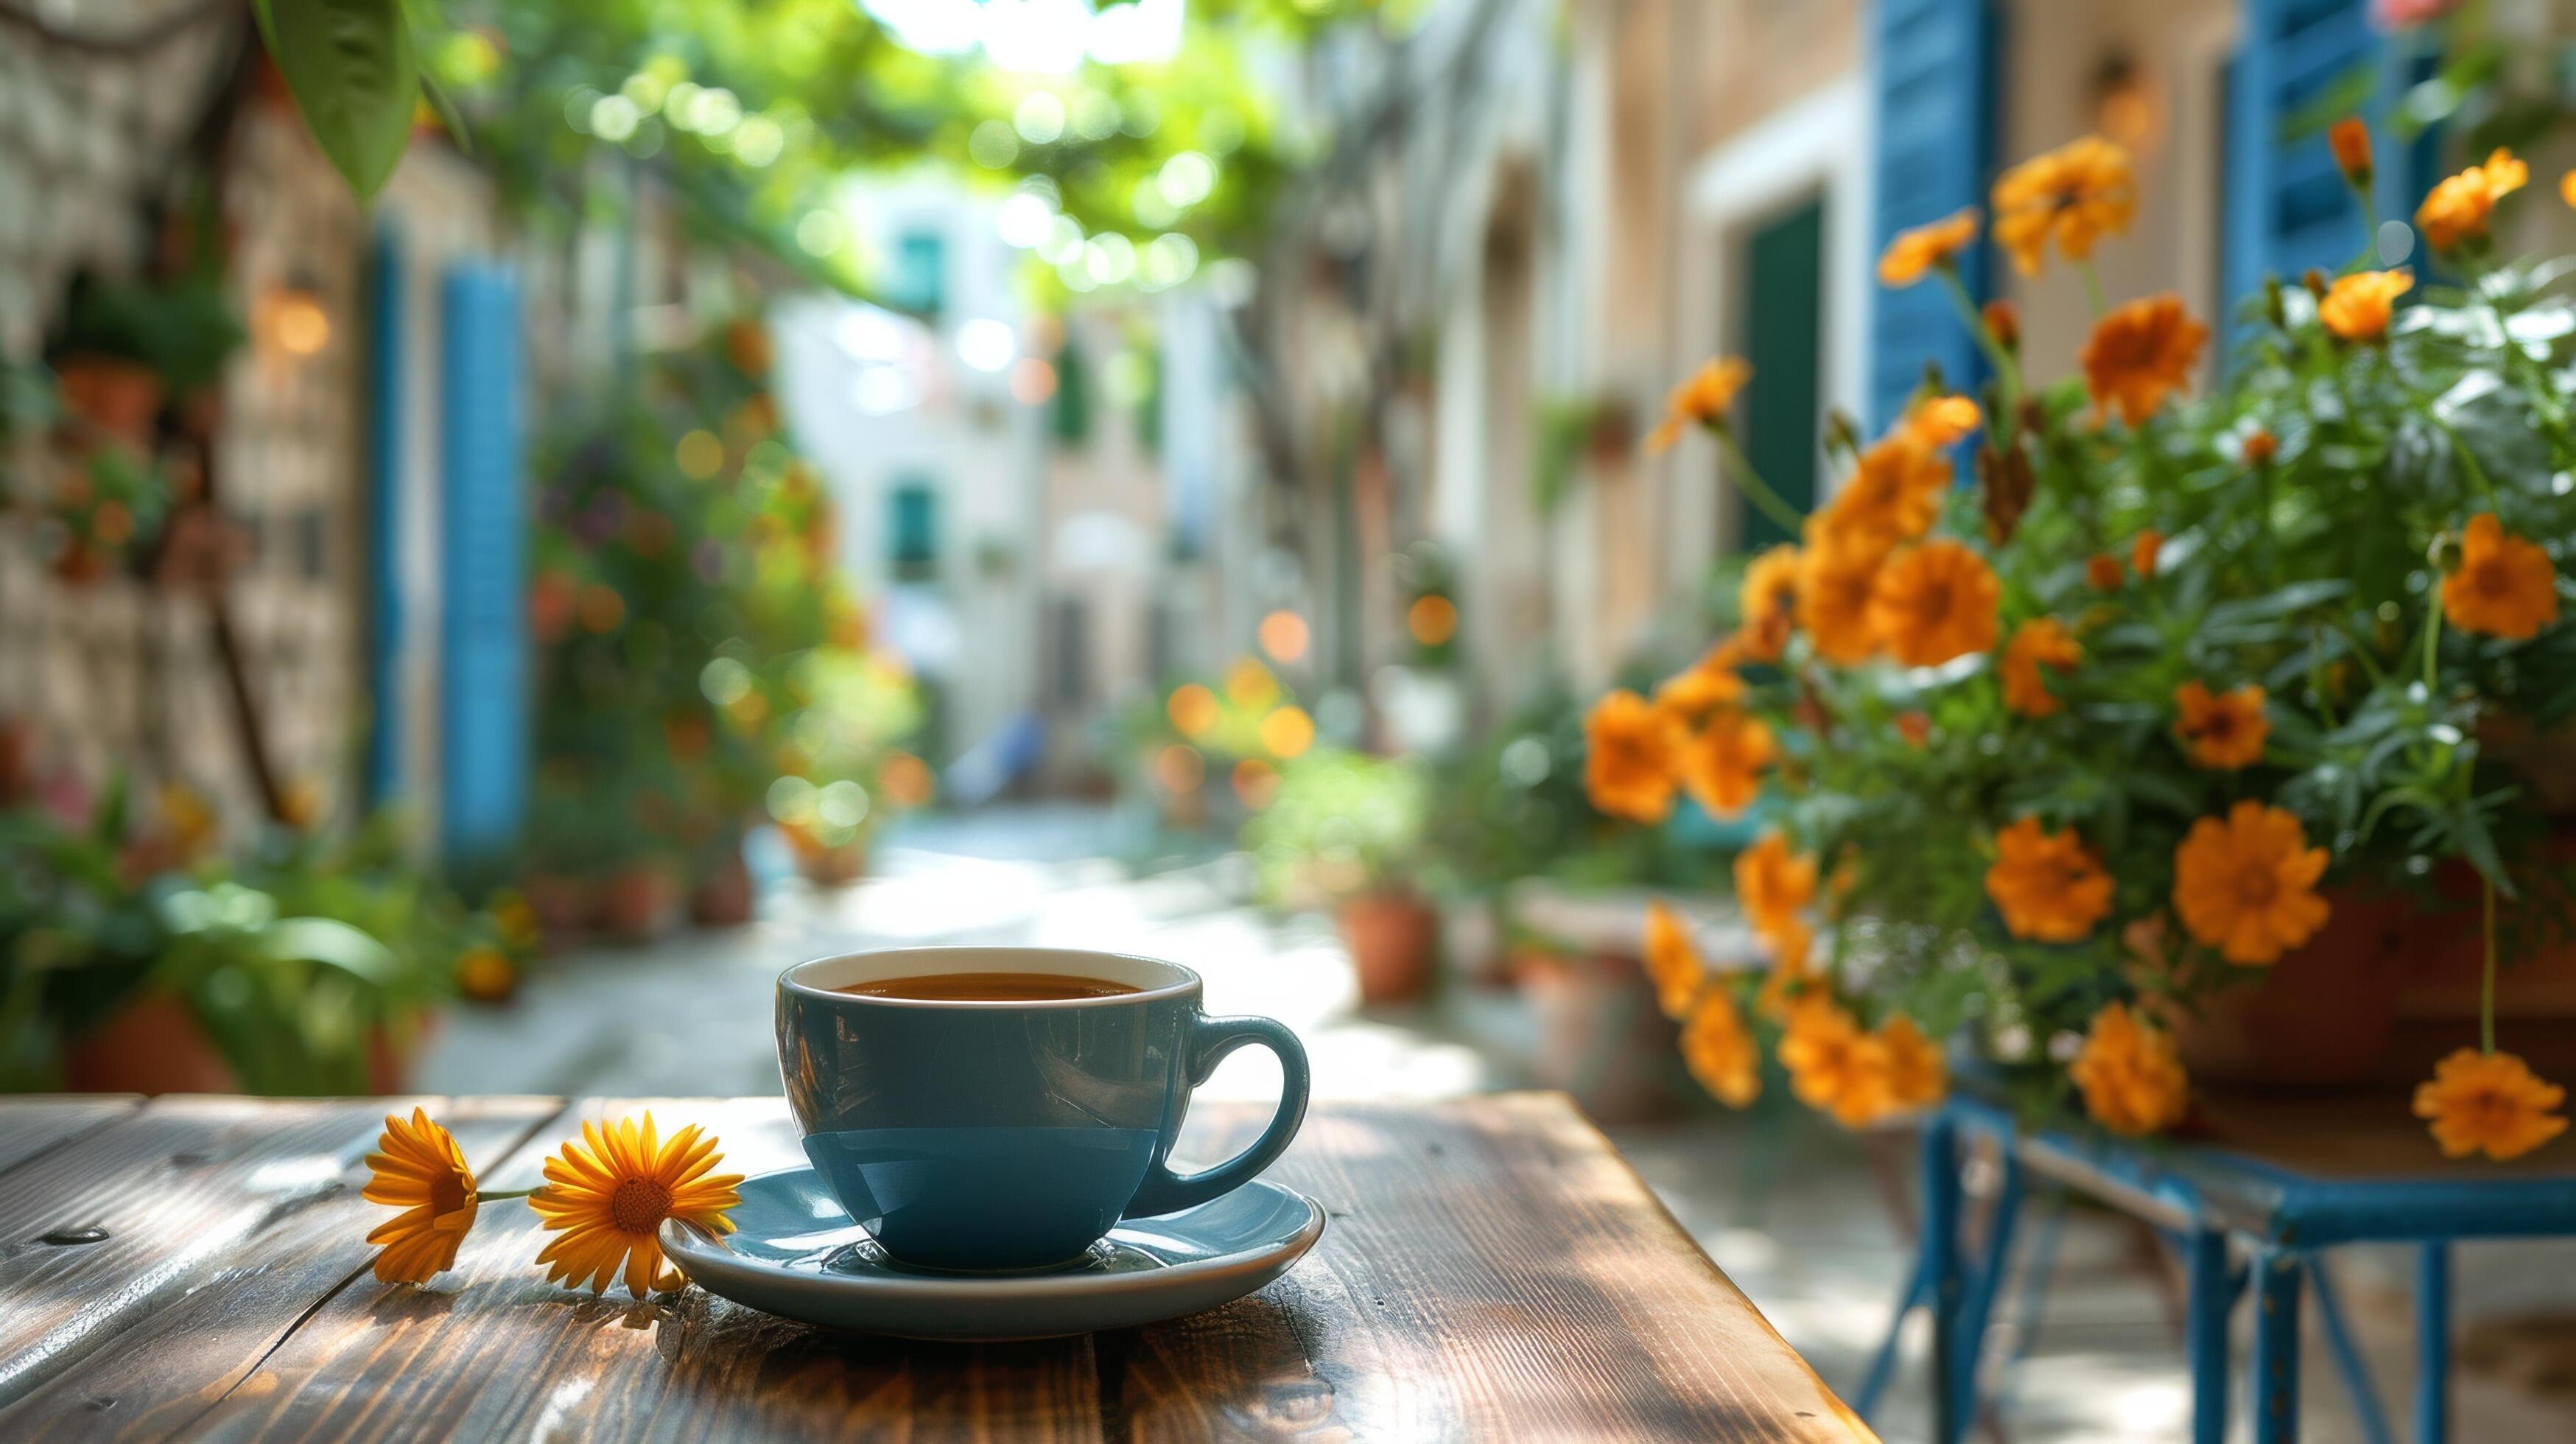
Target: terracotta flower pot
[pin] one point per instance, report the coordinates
(2538, 984)
(638, 903)
(1393, 937)
(826, 866)
(150, 1045)
(1600, 1036)
(2321, 1016)
(119, 397)
(724, 895)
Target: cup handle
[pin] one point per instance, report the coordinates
(1210, 1040)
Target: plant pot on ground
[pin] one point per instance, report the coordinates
(1600, 1036)
(723, 894)
(639, 902)
(1394, 939)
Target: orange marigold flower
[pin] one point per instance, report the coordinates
(2224, 730)
(1702, 399)
(2489, 1103)
(2456, 211)
(1937, 421)
(1723, 762)
(1773, 884)
(1673, 965)
(2350, 141)
(1720, 1051)
(2048, 885)
(1829, 1064)
(1836, 574)
(1935, 602)
(1895, 492)
(2143, 552)
(2037, 643)
(2356, 307)
(2003, 322)
(1697, 690)
(1915, 252)
(2139, 354)
(1914, 727)
(2259, 447)
(2247, 884)
(1770, 603)
(2567, 188)
(1791, 976)
(2130, 1077)
(2073, 195)
(2103, 571)
(1911, 1072)
(2504, 586)
(1632, 755)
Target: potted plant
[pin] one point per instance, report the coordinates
(1345, 829)
(2086, 752)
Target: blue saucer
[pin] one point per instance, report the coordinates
(794, 1252)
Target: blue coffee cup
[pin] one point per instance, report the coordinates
(979, 1136)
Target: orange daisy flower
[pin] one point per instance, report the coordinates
(1720, 1051)
(2103, 572)
(2048, 885)
(1935, 602)
(1722, 763)
(2259, 447)
(2357, 307)
(2139, 354)
(608, 1192)
(2143, 552)
(2456, 211)
(1773, 884)
(1631, 756)
(2489, 1103)
(2350, 141)
(1673, 965)
(1895, 492)
(1937, 421)
(1699, 689)
(1829, 1065)
(1836, 574)
(2041, 642)
(1702, 399)
(1792, 945)
(1770, 603)
(2073, 195)
(1914, 253)
(1911, 1072)
(2224, 730)
(2131, 1080)
(2504, 586)
(418, 1168)
(2246, 884)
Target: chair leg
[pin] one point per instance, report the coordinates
(2205, 1333)
(2347, 1355)
(1976, 1302)
(2433, 1344)
(2276, 1346)
(1941, 1268)
(1882, 1365)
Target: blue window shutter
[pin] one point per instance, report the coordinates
(385, 348)
(2287, 207)
(483, 671)
(1936, 66)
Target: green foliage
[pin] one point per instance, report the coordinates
(1343, 823)
(351, 68)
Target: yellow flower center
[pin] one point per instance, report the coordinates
(639, 1205)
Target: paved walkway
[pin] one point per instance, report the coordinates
(1789, 1207)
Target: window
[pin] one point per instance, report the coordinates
(912, 550)
(920, 280)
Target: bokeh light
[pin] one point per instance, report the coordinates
(1256, 782)
(1432, 619)
(1283, 635)
(1287, 733)
(1179, 768)
(1192, 708)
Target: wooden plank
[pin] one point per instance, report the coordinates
(1492, 1269)
(31, 1124)
(105, 1229)
(173, 1362)
(495, 1351)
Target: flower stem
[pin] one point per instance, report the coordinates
(2093, 287)
(2486, 981)
(495, 1195)
(2432, 644)
(2007, 371)
(1755, 489)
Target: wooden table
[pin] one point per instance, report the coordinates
(194, 1267)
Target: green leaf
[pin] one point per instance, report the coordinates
(351, 67)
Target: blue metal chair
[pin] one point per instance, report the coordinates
(2277, 1180)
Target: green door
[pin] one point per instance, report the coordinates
(1781, 300)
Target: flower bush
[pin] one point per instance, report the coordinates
(2118, 719)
